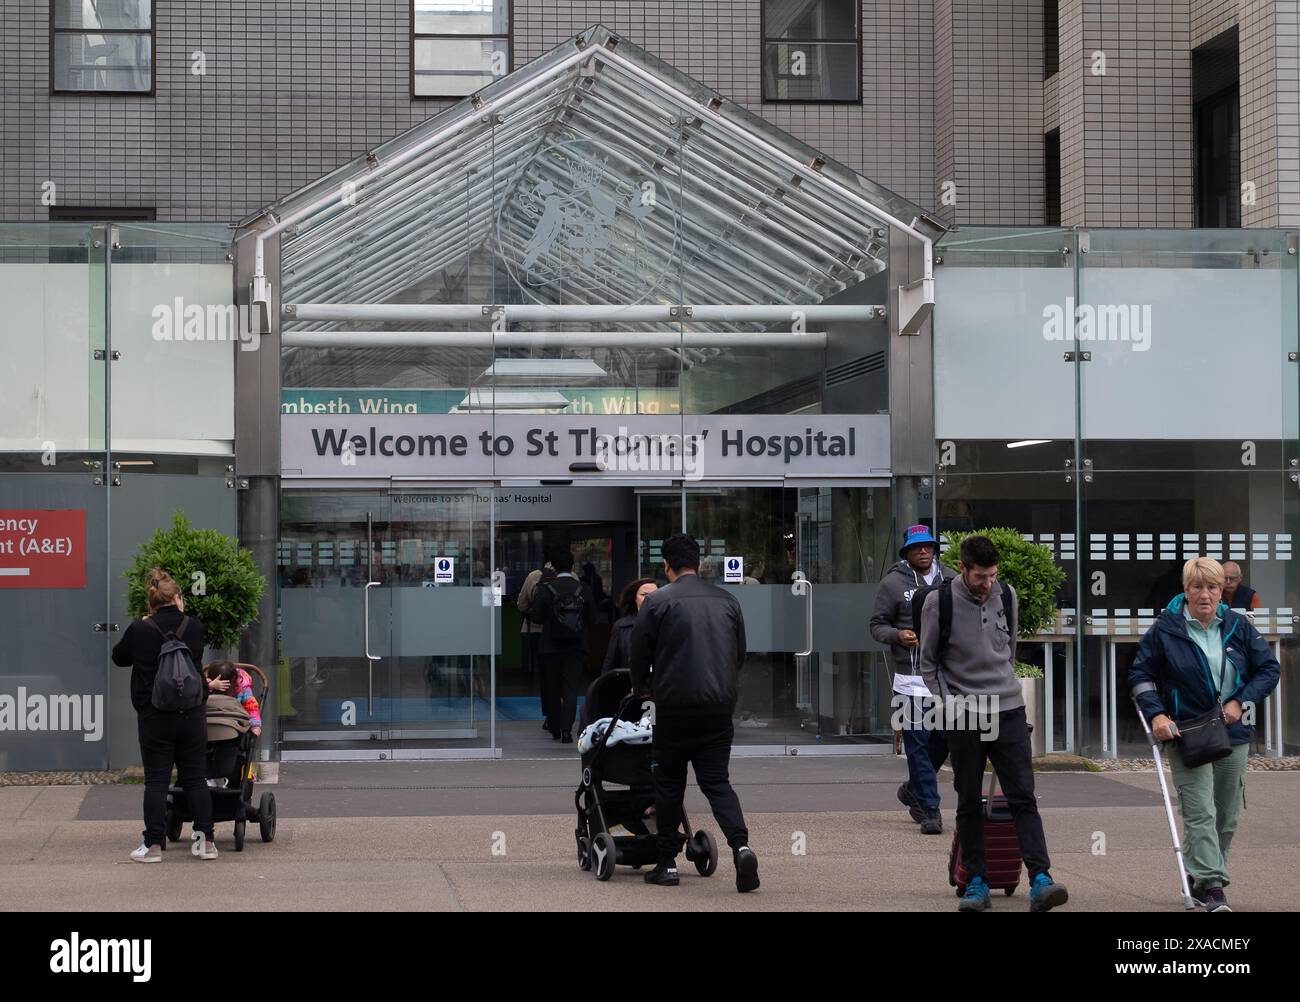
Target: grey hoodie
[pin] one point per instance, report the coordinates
(981, 647)
(893, 610)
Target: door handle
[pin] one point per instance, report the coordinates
(800, 585)
(370, 658)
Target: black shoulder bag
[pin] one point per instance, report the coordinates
(1204, 738)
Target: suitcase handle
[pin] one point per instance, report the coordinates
(993, 789)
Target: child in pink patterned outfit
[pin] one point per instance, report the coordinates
(238, 684)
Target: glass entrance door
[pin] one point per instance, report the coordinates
(388, 622)
(808, 557)
(438, 557)
(332, 693)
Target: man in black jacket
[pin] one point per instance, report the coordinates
(691, 635)
(562, 605)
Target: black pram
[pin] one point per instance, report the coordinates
(232, 761)
(615, 822)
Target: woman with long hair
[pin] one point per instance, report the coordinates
(168, 737)
(629, 603)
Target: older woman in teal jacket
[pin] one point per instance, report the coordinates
(1197, 654)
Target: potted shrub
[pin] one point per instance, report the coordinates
(219, 580)
(1031, 570)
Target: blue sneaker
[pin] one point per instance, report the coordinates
(976, 898)
(1045, 893)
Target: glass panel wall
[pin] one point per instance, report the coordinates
(1004, 415)
(1152, 417)
(106, 428)
(1187, 420)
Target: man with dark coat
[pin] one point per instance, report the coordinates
(693, 634)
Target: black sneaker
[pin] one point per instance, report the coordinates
(746, 869)
(664, 874)
(932, 824)
(908, 799)
(1215, 901)
(546, 724)
(1197, 896)
(566, 738)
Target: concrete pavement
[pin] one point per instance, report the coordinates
(499, 835)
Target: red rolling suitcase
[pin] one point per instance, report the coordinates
(1001, 846)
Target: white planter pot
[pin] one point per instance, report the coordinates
(1031, 689)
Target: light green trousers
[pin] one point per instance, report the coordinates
(1210, 798)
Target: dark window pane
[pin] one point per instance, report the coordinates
(811, 71)
(1052, 179)
(449, 67)
(837, 19)
(103, 62)
(1051, 38)
(1218, 160)
(462, 17)
(102, 14)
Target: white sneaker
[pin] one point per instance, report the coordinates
(209, 850)
(147, 854)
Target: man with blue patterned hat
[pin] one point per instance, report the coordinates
(891, 624)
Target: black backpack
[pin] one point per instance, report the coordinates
(568, 613)
(178, 684)
(945, 611)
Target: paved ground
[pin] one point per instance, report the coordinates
(422, 835)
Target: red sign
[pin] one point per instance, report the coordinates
(43, 548)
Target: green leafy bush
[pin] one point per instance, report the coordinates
(1024, 670)
(1028, 567)
(219, 580)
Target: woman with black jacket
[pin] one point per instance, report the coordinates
(629, 604)
(179, 737)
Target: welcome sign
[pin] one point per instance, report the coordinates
(485, 445)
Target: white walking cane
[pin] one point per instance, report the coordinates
(1189, 902)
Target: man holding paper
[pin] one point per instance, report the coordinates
(891, 623)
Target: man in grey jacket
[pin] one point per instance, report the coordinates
(973, 672)
(891, 623)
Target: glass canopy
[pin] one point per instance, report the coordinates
(591, 198)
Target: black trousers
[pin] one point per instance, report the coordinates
(180, 739)
(531, 642)
(562, 672)
(703, 741)
(1011, 757)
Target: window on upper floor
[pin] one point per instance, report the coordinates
(458, 46)
(1051, 38)
(1216, 118)
(812, 50)
(102, 46)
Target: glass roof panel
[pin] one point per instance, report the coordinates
(598, 173)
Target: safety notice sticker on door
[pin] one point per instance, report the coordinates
(43, 548)
(444, 570)
(734, 570)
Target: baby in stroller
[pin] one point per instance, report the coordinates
(232, 710)
(234, 724)
(616, 822)
(228, 679)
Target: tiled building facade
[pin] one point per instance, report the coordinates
(956, 102)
